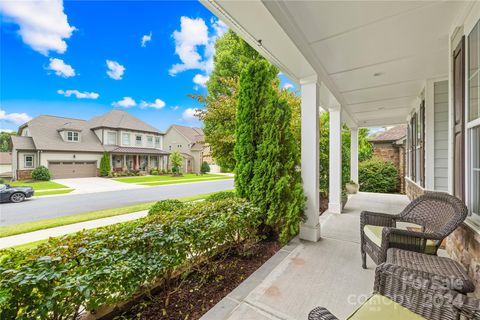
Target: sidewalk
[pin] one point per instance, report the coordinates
(60, 231)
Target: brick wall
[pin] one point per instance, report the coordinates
(24, 174)
(387, 151)
(412, 189)
(463, 245)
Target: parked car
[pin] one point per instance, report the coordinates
(14, 194)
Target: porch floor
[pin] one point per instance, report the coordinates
(304, 275)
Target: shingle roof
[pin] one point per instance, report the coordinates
(23, 143)
(43, 130)
(190, 133)
(119, 119)
(393, 134)
(5, 158)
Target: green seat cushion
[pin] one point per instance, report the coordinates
(374, 233)
(378, 307)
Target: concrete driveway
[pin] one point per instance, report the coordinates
(96, 184)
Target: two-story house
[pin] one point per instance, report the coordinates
(72, 148)
(190, 142)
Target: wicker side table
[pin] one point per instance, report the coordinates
(442, 271)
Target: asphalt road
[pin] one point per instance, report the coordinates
(53, 207)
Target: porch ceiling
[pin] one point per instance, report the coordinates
(373, 56)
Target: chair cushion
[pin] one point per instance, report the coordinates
(374, 233)
(379, 307)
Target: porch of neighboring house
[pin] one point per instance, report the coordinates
(143, 160)
(304, 274)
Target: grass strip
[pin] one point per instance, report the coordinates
(165, 178)
(6, 231)
(49, 193)
(39, 185)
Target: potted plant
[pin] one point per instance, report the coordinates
(344, 198)
(351, 187)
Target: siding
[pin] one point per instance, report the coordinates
(441, 135)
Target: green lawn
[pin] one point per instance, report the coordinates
(49, 193)
(38, 185)
(167, 179)
(6, 231)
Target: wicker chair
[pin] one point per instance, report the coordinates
(438, 214)
(420, 296)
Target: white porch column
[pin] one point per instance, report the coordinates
(354, 154)
(310, 229)
(335, 165)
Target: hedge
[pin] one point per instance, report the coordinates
(41, 173)
(378, 176)
(221, 195)
(110, 265)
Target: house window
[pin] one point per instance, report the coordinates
(157, 142)
(111, 138)
(138, 140)
(149, 141)
(72, 136)
(28, 161)
(179, 145)
(169, 147)
(126, 139)
(416, 147)
(473, 124)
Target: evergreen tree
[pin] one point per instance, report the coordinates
(205, 167)
(277, 185)
(105, 165)
(255, 92)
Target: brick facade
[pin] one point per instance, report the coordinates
(24, 174)
(463, 245)
(388, 151)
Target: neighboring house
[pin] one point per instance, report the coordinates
(390, 146)
(5, 164)
(190, 142)
(72, 148)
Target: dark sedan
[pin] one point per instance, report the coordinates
(14, 194)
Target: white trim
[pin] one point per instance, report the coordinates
(25, 160)
(473, 124)
(429, 135)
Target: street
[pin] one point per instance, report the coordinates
(52, 207)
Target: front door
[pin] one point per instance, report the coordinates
(458, 120)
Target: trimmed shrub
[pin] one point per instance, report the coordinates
(105, 165)
(378, 176)
(154, 171)
(205, 167)
(222, 195)
(165, 206)
(109, 265)
(41, 173)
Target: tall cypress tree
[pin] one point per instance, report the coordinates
(277, 186)
(255, 92)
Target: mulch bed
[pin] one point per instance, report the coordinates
(193, 295)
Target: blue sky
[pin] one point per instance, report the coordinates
(81, 59)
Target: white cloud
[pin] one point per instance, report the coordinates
(115, 70)
(157, 104)
(7, 130)
(189, 115)
(174, 107)
(17, 118)
(78, 94)
(126, 102)
(146, 38)
(42, 24)
(61, 68)
(287, 86)
(200, 80)
(193, 34)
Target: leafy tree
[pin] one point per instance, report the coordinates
(176, 160)
(41, 173)
(105, 165)
(277, 185)
(255, 92)
(205, 167)
(5, 140)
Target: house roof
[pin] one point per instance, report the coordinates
(23, 143)
(5, 158)
(133, 150)
(44, 132)
(393, 134)
(192, 134)
(119, 119)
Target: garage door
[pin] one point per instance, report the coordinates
(77, 169)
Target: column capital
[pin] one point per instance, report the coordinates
(309, 79)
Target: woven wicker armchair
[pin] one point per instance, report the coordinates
(419, 295)
(438, 213)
